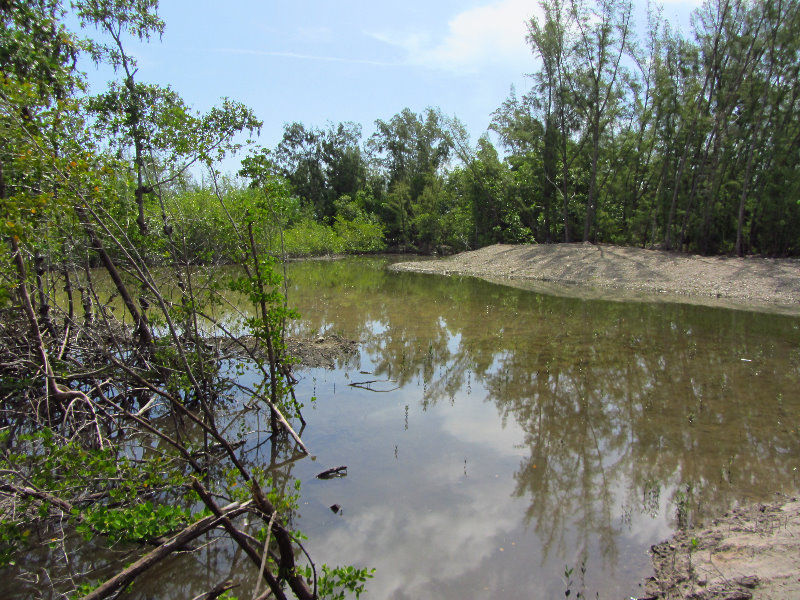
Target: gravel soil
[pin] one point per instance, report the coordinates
(616, 272)
(322, 351)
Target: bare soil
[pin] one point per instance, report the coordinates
(327, 351)
(616, 272)
(751, 553)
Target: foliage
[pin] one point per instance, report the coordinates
(110, 415)
(684, 142)
(322, 165)
(106, 491)
(310, 238)
(660, 144)
(335, 582)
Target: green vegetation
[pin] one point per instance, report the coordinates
(683, 143)
(111, 421)
(115, 423)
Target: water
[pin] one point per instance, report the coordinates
(496, 437)
(509, 435)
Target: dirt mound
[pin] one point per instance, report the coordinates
(620, 272)
(322, 351)
(750, 553)
(327, 351)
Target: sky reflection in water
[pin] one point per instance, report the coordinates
(528, 432)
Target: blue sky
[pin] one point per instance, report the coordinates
(316, 61)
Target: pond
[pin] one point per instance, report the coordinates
(496, 437)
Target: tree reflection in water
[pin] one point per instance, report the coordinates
(625, 408)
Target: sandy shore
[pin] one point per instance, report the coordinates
(615, 272)
(751, 553)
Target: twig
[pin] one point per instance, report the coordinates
(334, 472)
(264, 557)
(365, 385)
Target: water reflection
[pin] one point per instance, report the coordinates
(512, 434)
(564, 427)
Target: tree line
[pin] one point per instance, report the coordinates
(661, 139)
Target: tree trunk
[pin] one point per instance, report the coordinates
(591, 200)
(742, 200)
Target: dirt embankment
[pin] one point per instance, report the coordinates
(322, 351)
(751, 553)
(618, 273)
(326, 351)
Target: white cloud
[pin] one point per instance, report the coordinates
(484, 36)
(457, 536)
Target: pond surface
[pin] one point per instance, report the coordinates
(497, 436)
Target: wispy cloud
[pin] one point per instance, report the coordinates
(485, 36)
(298, 56)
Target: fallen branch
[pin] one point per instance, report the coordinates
(238, 537)
(193, 531)
(217, 591)
(334, 472)
(365, 385)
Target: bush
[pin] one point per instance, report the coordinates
(309, 238)
(362, 234)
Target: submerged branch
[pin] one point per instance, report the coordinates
(177, 542)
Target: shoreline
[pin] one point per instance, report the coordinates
(751, 552)
(630, 274)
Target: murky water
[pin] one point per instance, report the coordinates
(499, 436)
(495, 437)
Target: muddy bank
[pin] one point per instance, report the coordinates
(750, 553)
(614, 272)
(328, 351)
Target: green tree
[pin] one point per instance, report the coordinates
(322, 165)
(410, 150)
(549, 41)
(120, 443)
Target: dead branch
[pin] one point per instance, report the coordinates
(334, 472)
(238, 537)
(217, 590)
(193, 531)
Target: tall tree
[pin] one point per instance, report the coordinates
(322, 164)
(137, 18)
(410, 149)
(552, 41)
(604, 40)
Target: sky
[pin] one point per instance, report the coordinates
(321, 61)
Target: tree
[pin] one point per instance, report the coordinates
(110, 423)
(531, 162)
(411, 150)
(322, 165)
(128, 17)
(550, 41)
(604, 40)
